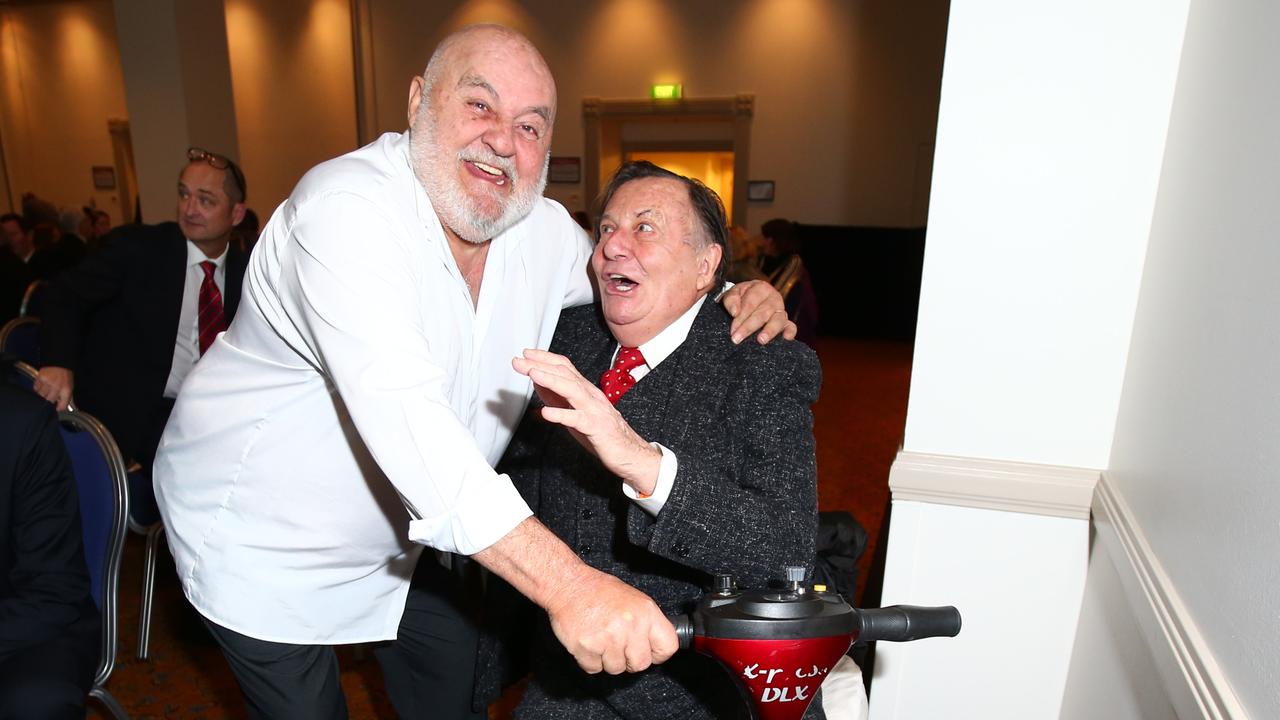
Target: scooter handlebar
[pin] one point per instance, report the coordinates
(896, 623)
(684, 629)
(903, 623)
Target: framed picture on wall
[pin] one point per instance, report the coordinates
(104, 177)
(760, 190)
(564, 170)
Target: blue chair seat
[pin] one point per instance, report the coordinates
(21, 337)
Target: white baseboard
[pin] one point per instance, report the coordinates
(1195, 682)
(993, 484)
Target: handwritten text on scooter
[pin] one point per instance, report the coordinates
(785, 694)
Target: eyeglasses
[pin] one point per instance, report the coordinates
(196, 154)
(220, 162)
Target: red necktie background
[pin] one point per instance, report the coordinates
(211, 320)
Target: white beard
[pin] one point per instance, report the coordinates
(465, 215)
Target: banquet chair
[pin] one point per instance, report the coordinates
(33, 299)
(787, 275)
(144, 519)
(24, 375)
(104, 507)
(21, 336)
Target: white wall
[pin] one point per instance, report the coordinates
(846, 93)
(1113, 672)
(1196, 452)
(1050, 140)
(1050, 135)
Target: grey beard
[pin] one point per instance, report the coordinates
(455, 208)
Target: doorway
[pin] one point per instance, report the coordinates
(126, 171)
(706, 138)
(714, 168)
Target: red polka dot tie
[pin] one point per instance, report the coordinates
(617, 380)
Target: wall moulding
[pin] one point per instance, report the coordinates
(1052, 490)
(603, 117)
(1195, 682)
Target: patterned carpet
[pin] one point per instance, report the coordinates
(858, 422)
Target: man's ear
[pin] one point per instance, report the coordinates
(237, 213)
(415, 97)
(707, 265)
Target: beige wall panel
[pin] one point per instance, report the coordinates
(293, 78)
(60, 80)
(846, 93)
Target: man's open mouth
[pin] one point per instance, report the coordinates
(499, 177)
(620, 283)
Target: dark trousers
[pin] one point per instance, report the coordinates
(429, 668)
(51, 680)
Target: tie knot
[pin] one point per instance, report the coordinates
(628, 358)
(208, 267)
(617, 380)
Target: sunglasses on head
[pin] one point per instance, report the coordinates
(220, 162)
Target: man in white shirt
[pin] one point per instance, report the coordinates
(369, 373)
(681, 455)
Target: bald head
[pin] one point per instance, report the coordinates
(464, 45)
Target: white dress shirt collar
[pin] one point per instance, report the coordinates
(195, 256)
(671, 337)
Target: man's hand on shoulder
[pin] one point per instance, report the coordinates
(756, 306)
(55, 385)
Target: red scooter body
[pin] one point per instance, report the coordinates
(780, 676)
(781, 644)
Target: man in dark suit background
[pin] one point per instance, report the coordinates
(27, 253)
(123, 328)
(49, 624)
(12, 270)
(695, 456)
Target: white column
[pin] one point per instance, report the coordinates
(1051, 135)
(177, 79)
(1010, 552)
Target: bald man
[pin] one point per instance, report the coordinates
(368, 373)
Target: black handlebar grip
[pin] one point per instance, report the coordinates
(902, 623)
(684, 629)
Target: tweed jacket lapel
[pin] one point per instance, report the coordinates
(594, 360)
(647, 407)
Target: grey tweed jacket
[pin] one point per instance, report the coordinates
(744, 502)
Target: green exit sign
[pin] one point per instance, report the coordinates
(667, 92)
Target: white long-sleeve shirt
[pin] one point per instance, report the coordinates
(356, 380)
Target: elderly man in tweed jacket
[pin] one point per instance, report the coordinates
(691, 456)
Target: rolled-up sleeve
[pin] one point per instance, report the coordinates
(349, 283)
